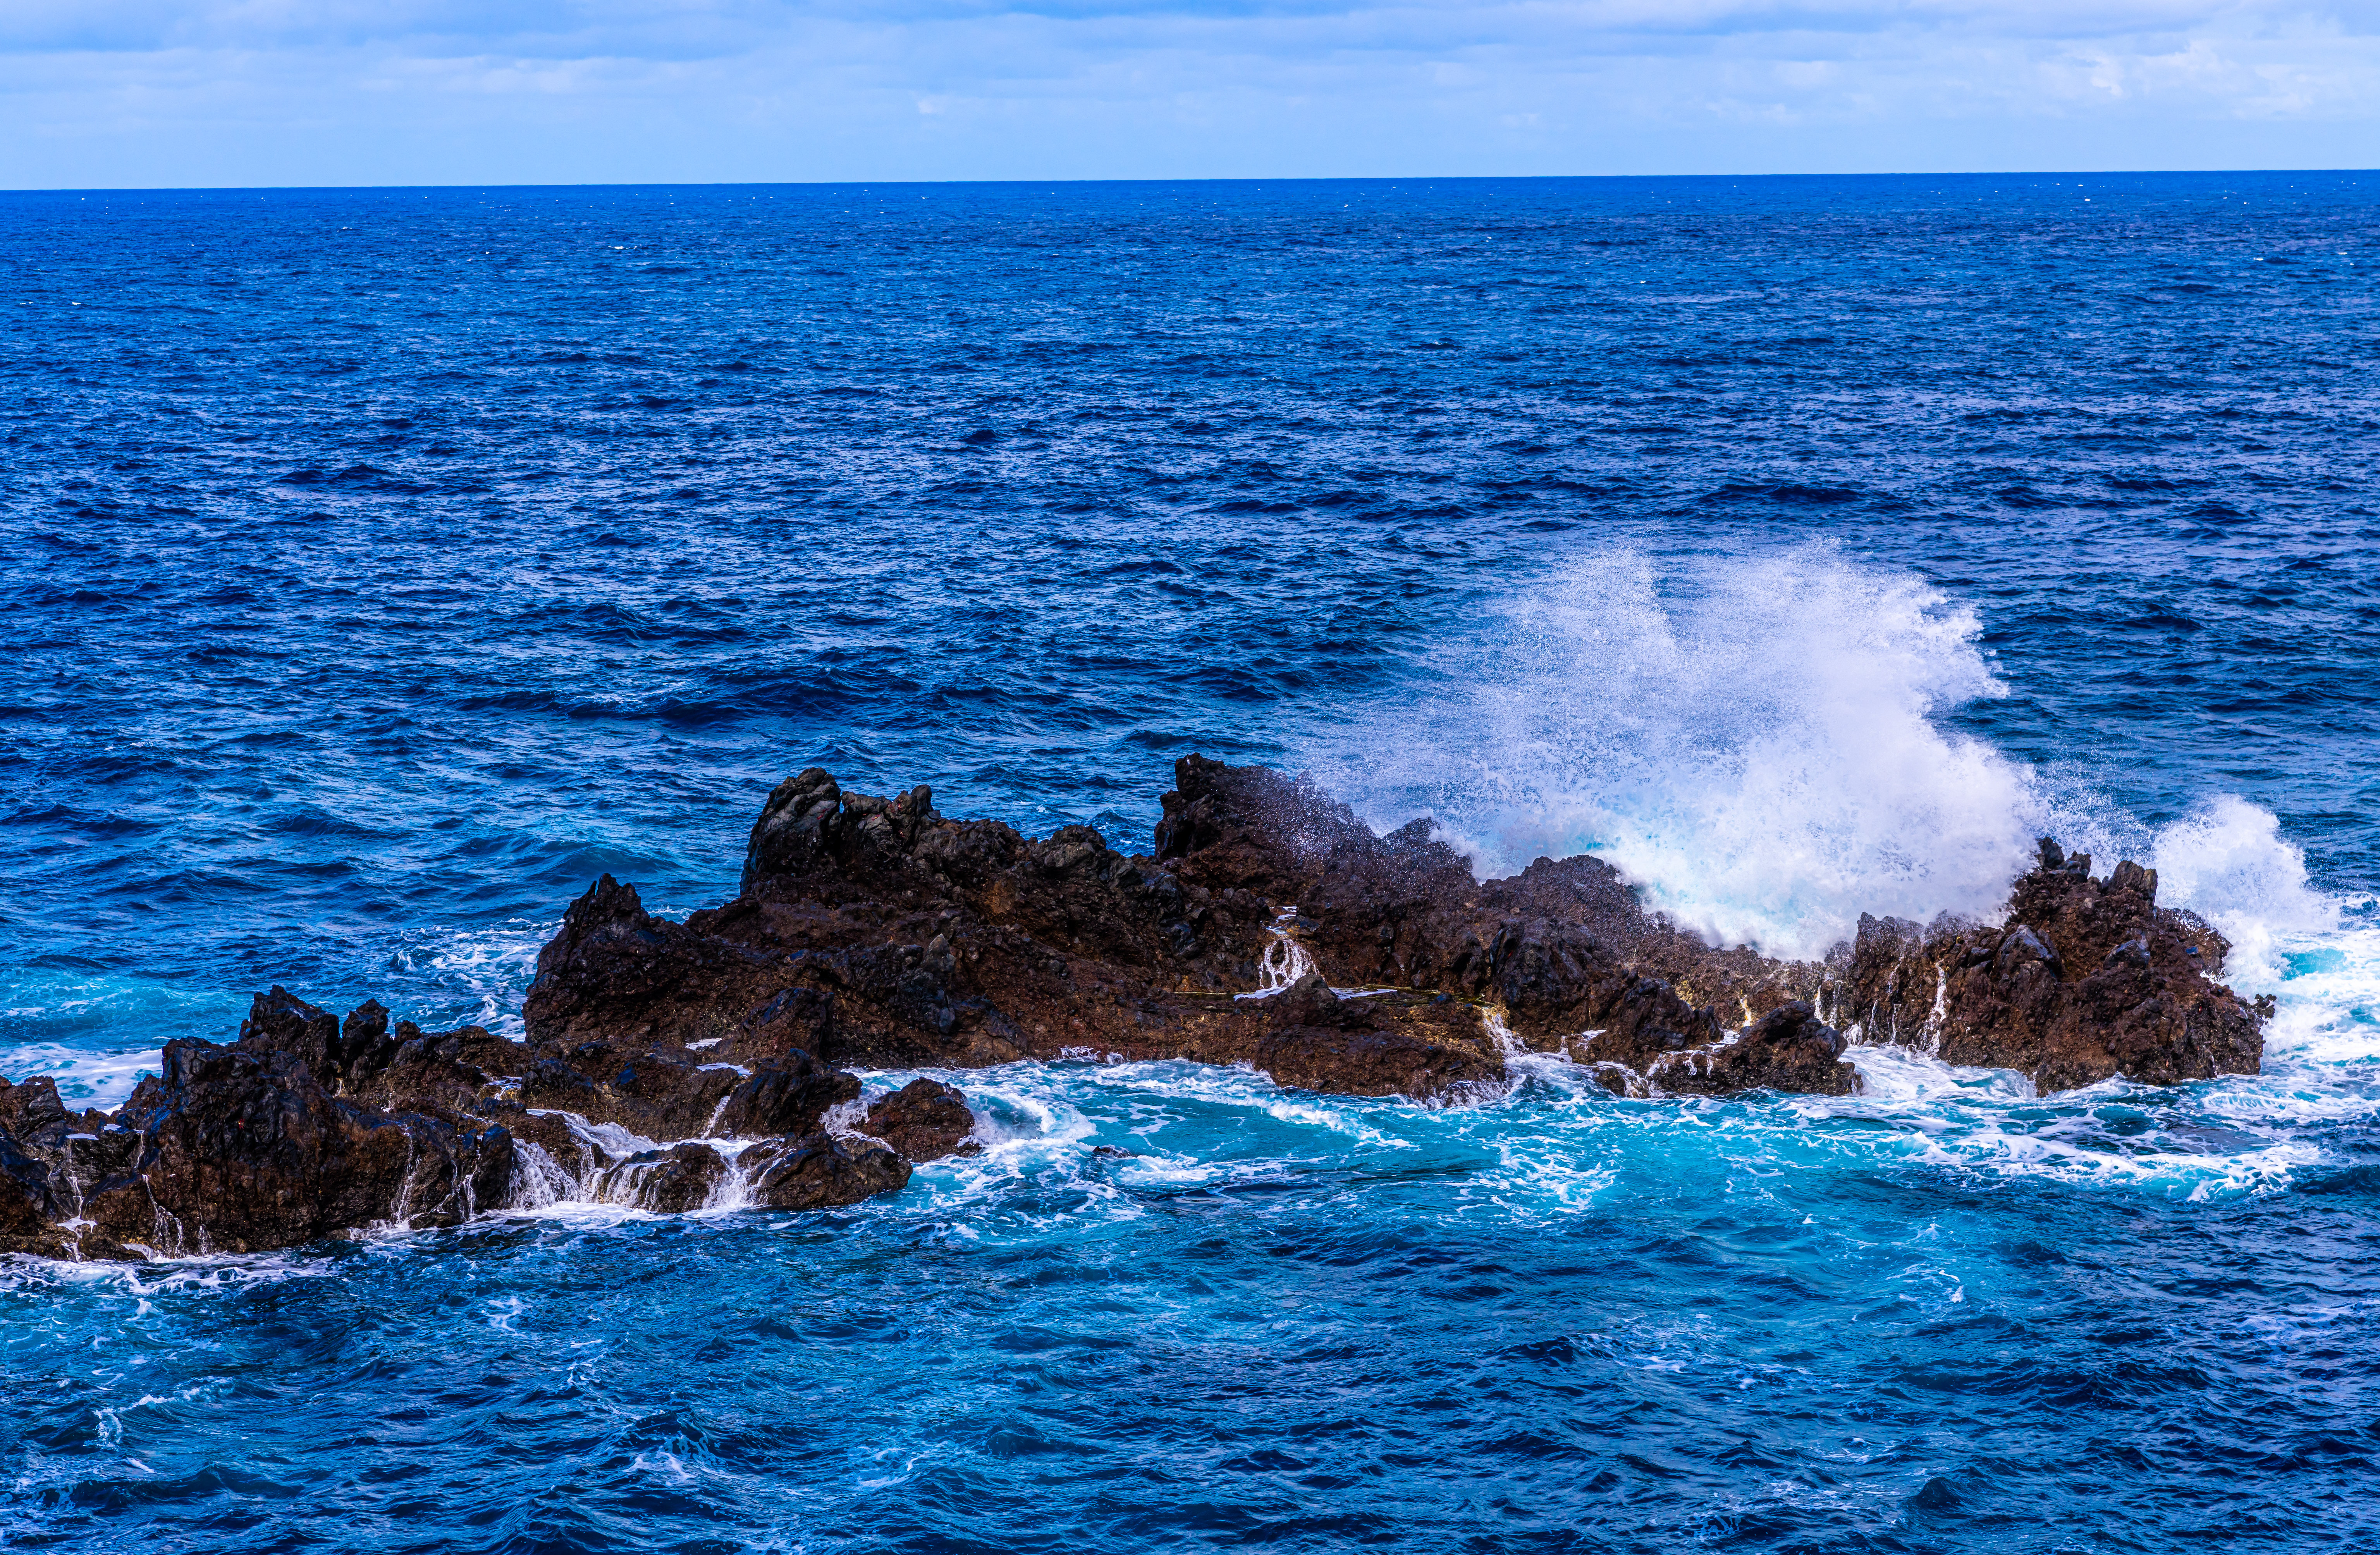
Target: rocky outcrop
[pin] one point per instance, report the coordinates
(883, 934)
(618, 974)
(308, 1126)
(2086, 979)
(925, 1120)
(886, 934)
(791, 1095)
(1559, 952)
(668, 1182)
(680, 1066)
(28, 1212)
(820, 1170)
(242, 1148)
(1641, 1053)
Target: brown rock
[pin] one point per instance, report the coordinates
(658, 1095)
(963, 943)
(822, 1171)
(27, 1210)
(2087, 979)
(309, 1127)
(279, 1021)
(925, 1120)
(617, 975)
(33, 1112)
(1789, 1048)
(668, 1182)
(243, 1150)
(875, 930)
(788, 1097)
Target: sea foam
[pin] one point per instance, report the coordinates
(1759, 743)
(1754, 741)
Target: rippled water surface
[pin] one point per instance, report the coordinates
(379, 566)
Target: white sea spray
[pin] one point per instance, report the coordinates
(1754, 741)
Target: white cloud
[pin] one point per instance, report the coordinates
(151, 91)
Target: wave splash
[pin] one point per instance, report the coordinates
(1757, 743)
(1751, 740)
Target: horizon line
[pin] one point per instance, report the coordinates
(1297, 179)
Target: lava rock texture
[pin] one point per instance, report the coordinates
(2087, 979)
(1269, 927)
(308, 1126)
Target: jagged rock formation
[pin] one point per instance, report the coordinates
(925, 1120)
(241, 1149)
(1269, 927)
(308, 1126)
(2087, 979)
(890, 935)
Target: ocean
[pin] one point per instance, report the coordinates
(380, 567)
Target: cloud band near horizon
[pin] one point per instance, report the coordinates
(183, 92)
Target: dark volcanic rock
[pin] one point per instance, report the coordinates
(788, 1097)
(2086, 979)
(33, 1112)
(618, 974)
(308, 1126)
(279, 1021)
(1787, 1048)
(925, 1120)
(822, 1171)
(1554, 947)
(363, 1059)
(659, 1095)
(1388, 1044)
(242, 1150)
(1312, 1003)
(875, 931)
(1656, 1044)
(26, 1211)
(793, 1022)
(667, 1182)
(365, 1045)
(433, 1072)
(886, 934)
(1644, 1023)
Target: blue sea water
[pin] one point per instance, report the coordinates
(382, 566)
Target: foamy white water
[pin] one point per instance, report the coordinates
(1757, 743)
(1752, 740)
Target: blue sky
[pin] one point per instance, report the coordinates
(99, 93)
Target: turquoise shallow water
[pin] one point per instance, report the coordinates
(382, 565)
